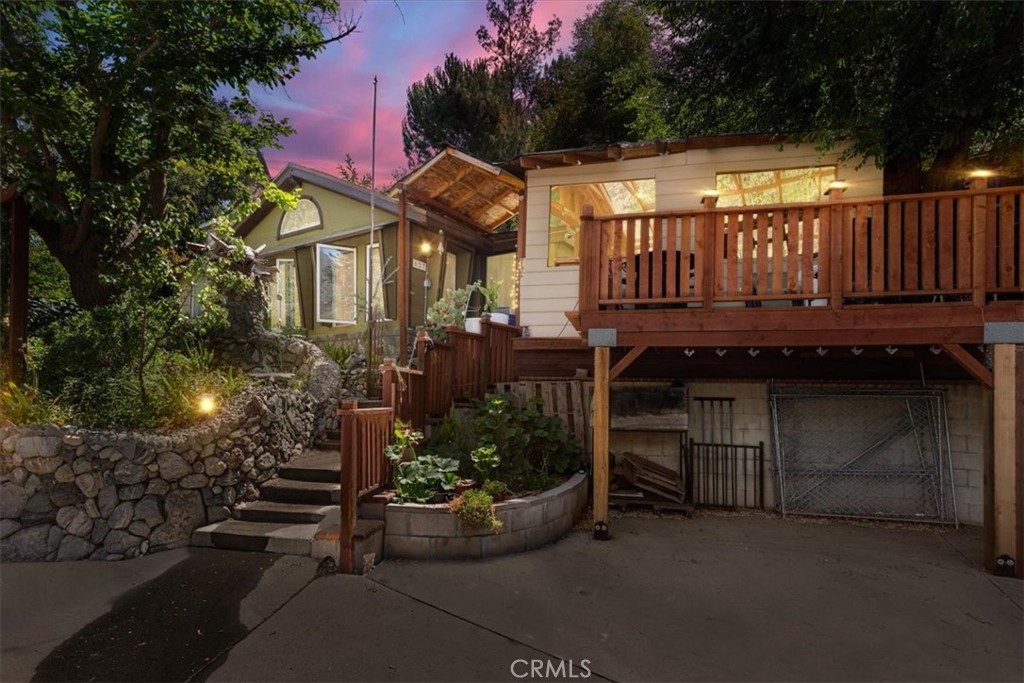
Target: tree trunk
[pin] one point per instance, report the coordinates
(82, 266)
(902, 176)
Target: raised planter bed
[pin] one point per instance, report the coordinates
(431, 532)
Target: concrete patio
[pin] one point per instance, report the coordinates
(715, 597)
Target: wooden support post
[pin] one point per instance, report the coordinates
(601, 423)
(387, 383)
(979, 244)
(349, 495)
(18, 333)
(1007, 416)
(589, 278)
(706, 223)
(404, 267)
(520, 253)
(836, 228)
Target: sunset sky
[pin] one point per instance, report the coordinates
(330, 102)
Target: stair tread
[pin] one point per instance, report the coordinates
(274, 506)
(240, 527)
(316, 459)
(298, 484)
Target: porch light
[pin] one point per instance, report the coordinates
(425, 248)
(981, 173)
(709, 194)
(206, 404)
(839, 185)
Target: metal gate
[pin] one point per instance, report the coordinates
(875, 454)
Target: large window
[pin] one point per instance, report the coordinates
(376, 277)
(779, 186)
(502, 268)
(567, 202)
(335, 284)
(284, 296)
(305, 216)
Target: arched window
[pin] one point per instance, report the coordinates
(305, 216)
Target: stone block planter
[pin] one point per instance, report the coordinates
(431, 532)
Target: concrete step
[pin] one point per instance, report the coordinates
(269, 537)
(281, 513)
(314, 465)
(304, 492)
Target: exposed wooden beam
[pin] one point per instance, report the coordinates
(448, 182)
(426, 200)
(537, 163)
(974, 367)
(625, 362)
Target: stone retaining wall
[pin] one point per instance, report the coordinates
(68, 493)
(431, 532)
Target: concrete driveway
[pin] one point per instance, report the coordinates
(716, 597)
(729, 598)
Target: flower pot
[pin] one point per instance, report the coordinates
(463, 485)
(473, 325)
(499, 318)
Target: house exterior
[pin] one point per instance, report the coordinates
(790, 305)
(328, 273)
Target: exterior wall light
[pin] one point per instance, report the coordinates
(981, 173)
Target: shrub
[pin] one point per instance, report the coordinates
(424, 477)
(485, 460)
(340, 353)
(475, 508)
(25, 405)
(449, 310)
(497, 489)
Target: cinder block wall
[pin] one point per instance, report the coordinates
(752, 423)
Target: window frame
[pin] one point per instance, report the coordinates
(317, 282)
(282, 233)
(277, 286)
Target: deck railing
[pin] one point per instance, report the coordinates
(942, 247)
(458, 369)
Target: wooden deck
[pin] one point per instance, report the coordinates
(908, 270)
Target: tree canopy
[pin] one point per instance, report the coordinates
(486, 106)
(126, 124)
(916, 86)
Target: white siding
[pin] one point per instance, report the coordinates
(547, 293)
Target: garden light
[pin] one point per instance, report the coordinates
(206, 404)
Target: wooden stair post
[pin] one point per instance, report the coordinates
(349, 495)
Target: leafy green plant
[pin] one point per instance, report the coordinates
(420, 479)
(490, 293)
(496, 488)
(25, 405)
(340, 353)
(403, 447)
(449, 310)
(485, 460)
(533, 446)
(475, 509)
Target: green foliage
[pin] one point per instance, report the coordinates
(485, 460)
(490, 293)
(913, 85)
(43, 312)
(496, 489)
(421, 479)
(116, 367)
(449, 310)
(26, 406)
(601, 91)
(403, 446)
(127, 125)
(339, 353)
(475, 509)
(348, 171)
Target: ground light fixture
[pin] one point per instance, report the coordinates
(206, 404)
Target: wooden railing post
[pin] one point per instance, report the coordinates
(421, 350)
(979, 240)
(590, 245)
(349, 493)
(487, 357)
(706, 223)
(835, 247)
(387, 384)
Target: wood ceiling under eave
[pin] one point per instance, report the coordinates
(482, 195)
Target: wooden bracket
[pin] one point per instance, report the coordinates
(972, 365)
(625, 362)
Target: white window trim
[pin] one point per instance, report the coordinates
(316, 289)
(376, 275)
(277, 287)
(302, 228)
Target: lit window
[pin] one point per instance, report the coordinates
(567, 202)
(779, 186)
(336, 284)
(305, 216)
(284, 296)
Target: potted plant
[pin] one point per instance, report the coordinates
(449, 310)
(490, 293)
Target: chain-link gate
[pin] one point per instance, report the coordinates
(863, 453)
